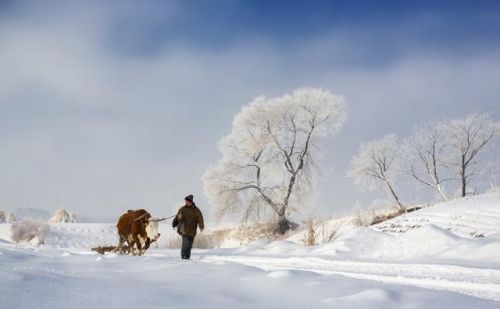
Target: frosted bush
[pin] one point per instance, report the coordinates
(6, 217)
(363, 218)
(29, 231)
(3, 218)
(63, 216)
(11, 218)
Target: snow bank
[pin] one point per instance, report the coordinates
(464, 231)
(469, 217)
(479, 251)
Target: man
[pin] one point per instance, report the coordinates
(187, 220)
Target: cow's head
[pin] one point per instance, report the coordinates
(152, 228)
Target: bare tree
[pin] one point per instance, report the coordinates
(469, 138)
(378, 165)
(267, 158)
(425, 157)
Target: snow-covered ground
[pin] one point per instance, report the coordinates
(470, 217)
(442, 256)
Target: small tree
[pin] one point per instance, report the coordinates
(377, 165)
(63, 216)
(469, 139)
(11, 218)
(7, 217)
(425, 157)
(267, 158)
(3, 216)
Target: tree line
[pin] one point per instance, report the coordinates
(448, 157)
(268, 158)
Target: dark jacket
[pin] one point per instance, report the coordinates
(187, 220)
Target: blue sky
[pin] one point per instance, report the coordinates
(213, 24)
(442, 25)
(110, 105)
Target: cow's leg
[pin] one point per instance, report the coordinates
(137, 244)
(131, 248)
(130, 244)
(125, 248)
(148, 243)
(144, 243)
(119, 248)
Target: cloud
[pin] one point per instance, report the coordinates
(92, 124)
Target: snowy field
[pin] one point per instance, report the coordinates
(442, 256)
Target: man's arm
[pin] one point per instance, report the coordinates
(200, 222)
(177, 219)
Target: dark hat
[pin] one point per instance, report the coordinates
(190, 198)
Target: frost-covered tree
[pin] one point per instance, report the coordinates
(469, 139)
(11, 218)
(7, 217)
(63, 216)
(268, 155)
(378, 164)
(3, 216)
(425, 157)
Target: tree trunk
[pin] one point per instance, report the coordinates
(462, 176)
(464, 184)
(395, 196)
(283, 224)
(441, 192)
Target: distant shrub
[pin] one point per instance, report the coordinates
(6, 217)
(29, 231)
(63, 216)
(3, 216)
(310, 234)
(11, 218)
(364, 218)
(375, 216)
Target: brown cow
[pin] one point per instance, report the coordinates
(136, 228)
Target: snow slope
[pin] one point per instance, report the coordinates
(472, 217)
(436, 263)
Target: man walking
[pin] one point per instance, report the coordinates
(187, 220)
